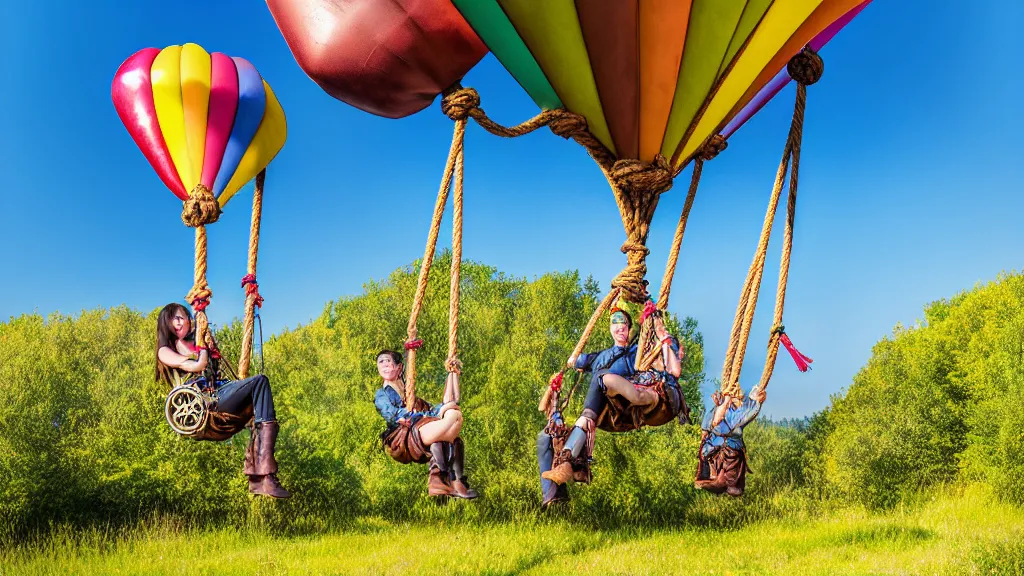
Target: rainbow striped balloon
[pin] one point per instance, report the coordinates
(199, 118)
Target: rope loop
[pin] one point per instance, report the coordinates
(459, 103)
(453, 365)
(806, 67)
(714, 146)
(638, 177)
(201, 208)
(568, 124)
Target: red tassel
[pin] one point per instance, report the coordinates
(556, 382)
(649, 308)
(802, 362)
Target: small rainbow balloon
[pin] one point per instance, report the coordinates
(199, 118)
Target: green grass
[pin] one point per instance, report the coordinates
(958, 532)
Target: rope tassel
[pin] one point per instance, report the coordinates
(802, 362)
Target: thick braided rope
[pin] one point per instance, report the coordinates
(428, 258)
(452, 363)
(748, 303)
(608, 299)
(251, 295)
(200, 293)
(787, 241)
(806, 68)
(677, 240)
(200, 209)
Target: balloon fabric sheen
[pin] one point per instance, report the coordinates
(199, 118)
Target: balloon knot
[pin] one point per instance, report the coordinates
(201, 208)
(568, 124)
(459, 102)
(714, 146)
(639, 177)
(806, 67)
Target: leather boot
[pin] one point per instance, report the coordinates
(266, 464)
(557, 493)
(269, 485)
(266, 433)
(249, 464)
(561, 468)
(457, 459)
(438, 483)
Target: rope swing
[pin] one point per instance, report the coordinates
(806, 68)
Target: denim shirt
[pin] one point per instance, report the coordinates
(623, 366)
(391, 407)
(730, 430)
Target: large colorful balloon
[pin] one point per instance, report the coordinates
(650, 76)
(199, 118)
(387, 57)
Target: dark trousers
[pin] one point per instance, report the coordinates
(596, 396)
(237, 395)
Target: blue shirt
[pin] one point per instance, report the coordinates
(603, 360)
(730, 430)
(391, 407)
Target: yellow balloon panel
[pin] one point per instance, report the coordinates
(166, 78)
(778, 24)
(267, 142)
(195, 96)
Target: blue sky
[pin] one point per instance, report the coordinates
(910, 184)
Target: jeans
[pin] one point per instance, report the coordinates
(237, 395)
(545, 456)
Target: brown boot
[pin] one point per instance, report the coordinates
(461, 489)
(266, 437)
(249, 463)
(264, 480)
(561, 469)
(438, 483)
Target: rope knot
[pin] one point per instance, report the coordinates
(806, 67)
(453, 365)
(715, 146)
(201, 208)
(631, 279)
(459, 103)
(568, 124)
(252, 288)
(636, 176)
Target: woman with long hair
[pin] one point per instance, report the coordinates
(179, 359)
(426, 433)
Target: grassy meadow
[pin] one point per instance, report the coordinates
(951, 532)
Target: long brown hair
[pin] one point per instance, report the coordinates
(166, 336)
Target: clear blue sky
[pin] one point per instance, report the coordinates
(910, 184)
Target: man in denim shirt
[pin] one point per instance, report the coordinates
(619, 359)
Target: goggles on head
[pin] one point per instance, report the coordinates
(619, 318)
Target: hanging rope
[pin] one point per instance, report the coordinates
(412, 342)
(713, 148)
(806, 68)
(252, 293)
(200, 209)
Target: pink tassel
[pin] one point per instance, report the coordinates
(802, 362)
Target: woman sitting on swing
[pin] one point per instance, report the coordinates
(178, 358)
(411, 435)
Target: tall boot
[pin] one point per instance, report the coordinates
(561, 468)
(249, 464)
(438, 483)
(266, 464)
(460, 484)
